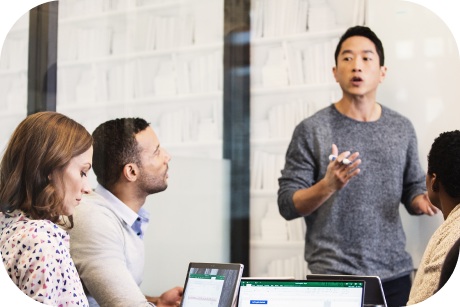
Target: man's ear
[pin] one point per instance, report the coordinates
(334, 72)
(434, 182)
(383, 73)
(130, 171)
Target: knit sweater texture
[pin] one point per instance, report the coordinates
(358, 230)
(427, 278)
(108, 254)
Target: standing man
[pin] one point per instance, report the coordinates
(107, 239)
(350, 198)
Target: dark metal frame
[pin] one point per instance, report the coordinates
(41, 80)
(237, 123)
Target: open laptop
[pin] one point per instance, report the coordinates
(300, 293)
(374, 295)
(211, 284)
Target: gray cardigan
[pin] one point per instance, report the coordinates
(358, 230)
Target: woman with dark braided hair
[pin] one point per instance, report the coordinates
(443, 185)
(42, 179)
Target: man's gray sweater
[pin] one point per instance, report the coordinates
(358, 230)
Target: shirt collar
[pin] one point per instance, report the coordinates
(122, 210)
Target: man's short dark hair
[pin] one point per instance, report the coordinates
(115, 146)
(365, 32)
(444, 161)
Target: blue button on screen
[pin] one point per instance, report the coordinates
(258, 302)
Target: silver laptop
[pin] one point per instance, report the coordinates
(211, 284)
(374, 295)
(300, 293)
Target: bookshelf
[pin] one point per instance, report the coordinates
(160, 60)
(13, 78)
(292, 55)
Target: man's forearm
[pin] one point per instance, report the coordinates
(306, 201)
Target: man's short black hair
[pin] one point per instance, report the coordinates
(365, 32)
(115, 146)
(444, 161)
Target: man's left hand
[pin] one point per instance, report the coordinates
(171, 297)
(421, 205)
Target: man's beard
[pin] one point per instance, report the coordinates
(153, 184)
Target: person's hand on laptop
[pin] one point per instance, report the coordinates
(170, 298)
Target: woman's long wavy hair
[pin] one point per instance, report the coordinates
(42, 143)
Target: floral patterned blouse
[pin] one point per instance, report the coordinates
(36, 257)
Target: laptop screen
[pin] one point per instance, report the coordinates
(300, 293)
(373, 293)
(211, 284)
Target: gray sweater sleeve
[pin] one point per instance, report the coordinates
(306, 160)
(414, 177)
(300, 171)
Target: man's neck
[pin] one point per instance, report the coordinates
(447, 203)
(128, 197)
(359, 108)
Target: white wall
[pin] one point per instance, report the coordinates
(422, 83)
(189, 221)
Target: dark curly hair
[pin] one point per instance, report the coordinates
(42, 143)
(115, 146)
(444, 161)
(365, 32)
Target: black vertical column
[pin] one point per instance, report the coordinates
(237, 122)
(42, 58)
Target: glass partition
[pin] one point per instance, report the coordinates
(291, 78)
(13, 78)
(292, 55)
(162, 61)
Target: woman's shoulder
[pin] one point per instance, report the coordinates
(19, 227)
